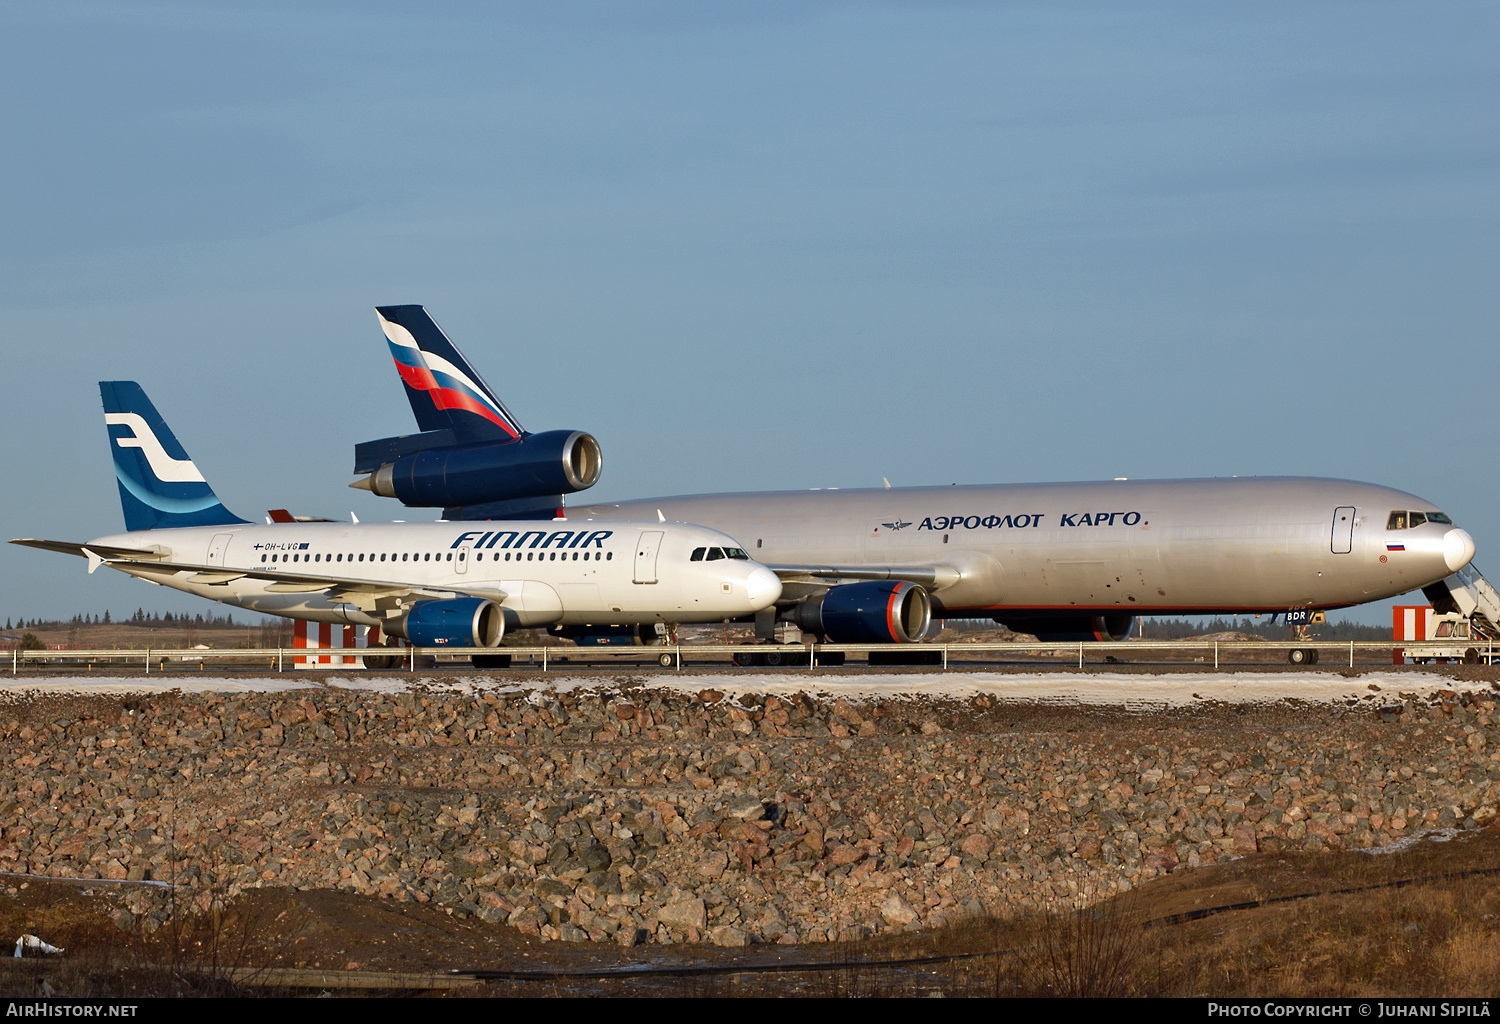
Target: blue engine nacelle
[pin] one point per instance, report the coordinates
(880, 612)
(1073, 628)
(462, 622)
(550, 463)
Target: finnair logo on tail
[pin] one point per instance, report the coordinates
(166, 468)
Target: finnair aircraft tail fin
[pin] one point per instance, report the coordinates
(444, 390)
(159, 485)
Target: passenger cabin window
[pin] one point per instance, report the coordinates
(697, 555)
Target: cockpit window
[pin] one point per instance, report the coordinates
(737, 553)
(714, 554)
(697, 555)
(1407, 520)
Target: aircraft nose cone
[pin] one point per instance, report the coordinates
(764, 586)
(1458, 549)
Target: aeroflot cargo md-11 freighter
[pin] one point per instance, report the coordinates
(435, 584)
(1064, 561)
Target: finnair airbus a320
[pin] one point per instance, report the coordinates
(435, 584)
(1068, 561)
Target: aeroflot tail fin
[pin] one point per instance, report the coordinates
(159, 485)
(444, 390)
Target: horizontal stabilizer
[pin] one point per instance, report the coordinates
(105, 551)
(369, 455)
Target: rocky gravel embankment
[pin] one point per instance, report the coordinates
(640, 816)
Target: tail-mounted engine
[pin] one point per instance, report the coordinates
(483, 480)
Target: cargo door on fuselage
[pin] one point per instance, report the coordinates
(1343, 530)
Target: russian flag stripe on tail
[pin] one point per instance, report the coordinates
(443, 389)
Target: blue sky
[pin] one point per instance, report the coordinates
(750, 246)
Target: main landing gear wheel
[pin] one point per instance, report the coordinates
(1302, 656)
(382, 662)
(664, 660)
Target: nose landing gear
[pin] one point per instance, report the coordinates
(1297, 622)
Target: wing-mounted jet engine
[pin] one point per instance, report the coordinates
(472, 458)
(871, 612)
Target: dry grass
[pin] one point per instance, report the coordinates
(193, 952)
(1421, 923)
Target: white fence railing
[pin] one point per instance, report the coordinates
(672, 656)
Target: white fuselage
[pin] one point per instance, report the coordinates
(548, 572)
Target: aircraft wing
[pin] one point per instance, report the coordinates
(367, 595)
(933, 577)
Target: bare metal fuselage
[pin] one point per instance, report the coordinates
(1263, 544)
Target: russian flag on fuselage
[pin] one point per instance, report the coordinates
(444, 390)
